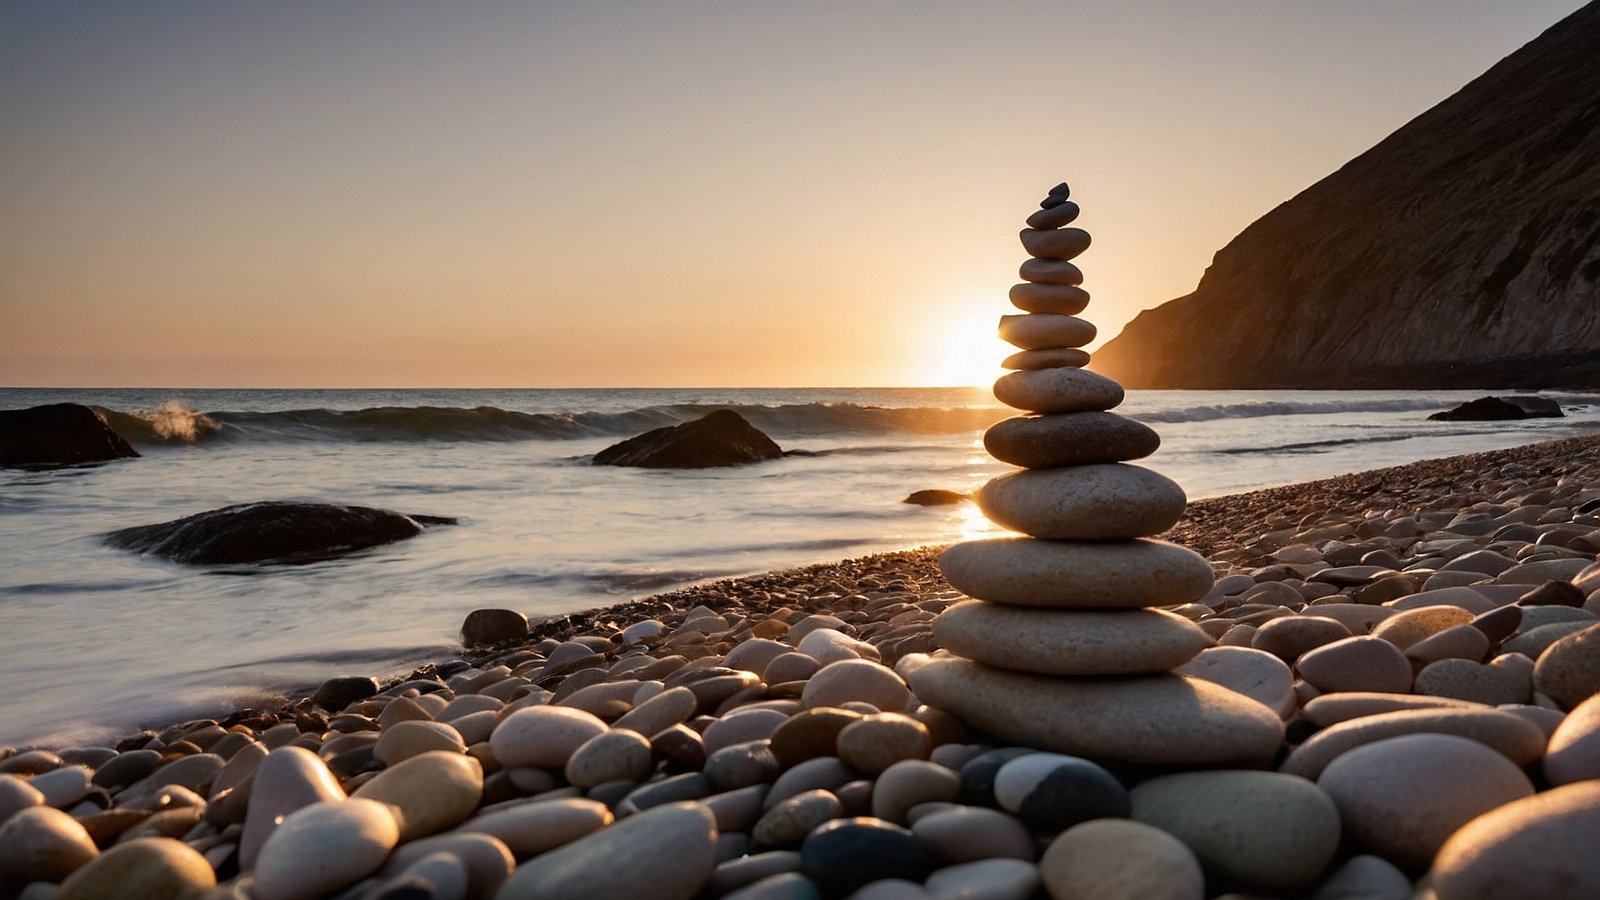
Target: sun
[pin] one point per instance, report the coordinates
(965, 350)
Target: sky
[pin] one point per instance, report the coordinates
(651, 193)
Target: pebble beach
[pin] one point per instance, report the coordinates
(1427, 636)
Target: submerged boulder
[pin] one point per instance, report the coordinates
(936, 497)
(58, 434)
(1494, 409)
(722, 438)
(271, 532)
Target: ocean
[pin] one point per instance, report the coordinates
(95, 642)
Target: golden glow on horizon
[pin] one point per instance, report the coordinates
(967, 351)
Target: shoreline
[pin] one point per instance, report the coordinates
(1329, 678)
(1219, 528)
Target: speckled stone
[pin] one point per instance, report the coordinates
(1568, 671)
(1121, 642)
(1099, 501)
(1057, 391)
(879, 741)
(856, 680)
(1063, 575)
(618, 755)
(790, 821)
(1540, 846)
(1507, 678)
(985, 879)
(1265, 830)
(1119, 859)
(1403, 796)
(967, 833)
(1290, 637)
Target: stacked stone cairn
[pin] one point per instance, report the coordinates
(1065, 647)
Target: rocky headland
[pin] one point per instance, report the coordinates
(1462, 251)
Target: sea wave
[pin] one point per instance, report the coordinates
(1258, 409)
(174, 423)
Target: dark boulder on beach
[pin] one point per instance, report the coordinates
(271, 532)
(1495, 409)
(936, 497)
(722, 438)
(493, 626)
(58, 434)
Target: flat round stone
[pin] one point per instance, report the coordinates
(1515, 738)
(667, 852)
(1066, 299)
(1062, 214)
(1050, 271)
(1262, 830)
(1058, 358)
(1163, 720)
(1046, 331)
(1101, 501)
(1072, 575)
(1252, 673)
(1057, 243)
(1119, 859)
(1403, 796)
(1058, 391)
(1059, 791)
(1069, 439)
(1121, 642)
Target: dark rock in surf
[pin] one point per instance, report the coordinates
(936, 498)
(337, 693)
(271, 533)
(722, 438)
(1495, 409)
(58, 434)
(493, 626)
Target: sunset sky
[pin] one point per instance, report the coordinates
(651, 193)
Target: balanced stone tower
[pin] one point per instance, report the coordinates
(1062, 649)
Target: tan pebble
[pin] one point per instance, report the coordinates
(1118, 859)
(17, 795)
(143, 869)
(1456, 642)
(1509, 735)
(879, 741)
(856, 679)
(666, 853)
(1403, 796)
(1411, 626)
(325, 847)
(42, 844)
(1331, 709)
(404, 740)
(543, 736)
(1289, 637)
(1357, 664)
(742, 725)
(403, 709)
(1573, 753)
(432, 791)
(1540, 846)
(1568, 671)
(809, 734)
(288, 779)
(534, 827)
(488, 862)
(618, 755)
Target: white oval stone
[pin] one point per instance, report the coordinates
(1057, 390)
(1540, 846)
(1106, 501)
(288, 779)
(1161, 720)
(619, 755)
(1256, 674)
(325, 847)
(1062, 575)
(1120, 642)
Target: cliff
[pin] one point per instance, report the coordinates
(1461, 251)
